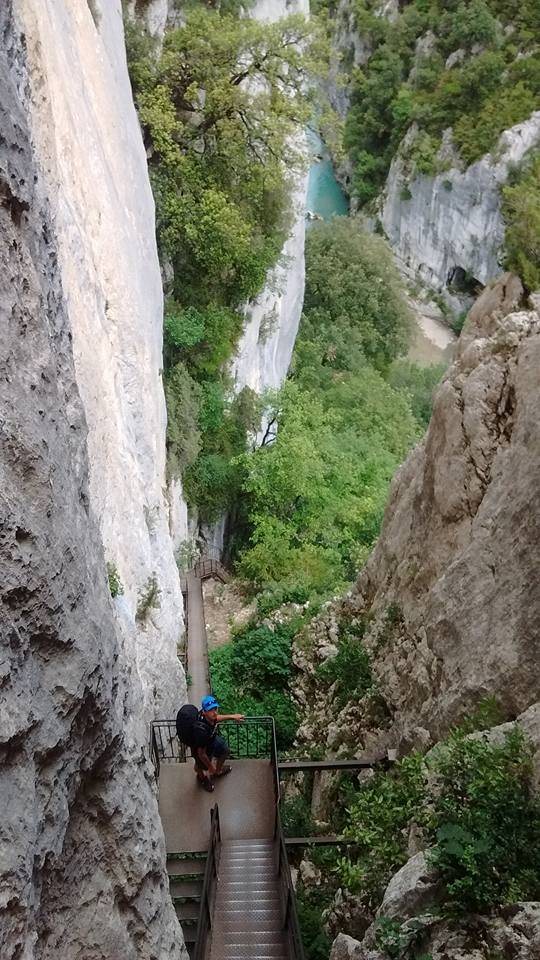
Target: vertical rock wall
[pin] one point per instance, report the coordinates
(81, 471)
(453, 221)
(90, 153)
(266, 346)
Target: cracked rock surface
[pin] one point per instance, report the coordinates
(450, 589)
(81, 848)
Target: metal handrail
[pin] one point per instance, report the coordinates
(208, 894)
(154, 752)
(289, 915)
(252, 739)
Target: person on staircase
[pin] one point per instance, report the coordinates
(209, 749)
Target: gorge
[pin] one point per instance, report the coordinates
(382, 534)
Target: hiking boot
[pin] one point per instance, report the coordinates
(226, 769)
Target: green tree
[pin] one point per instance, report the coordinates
(352, 284)
(218, 107)
(521, 209)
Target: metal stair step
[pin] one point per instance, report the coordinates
(187, 912)
(240, 884)
(187, 889)
(245, 902)
(248, 844)
(232, 912)
(268, 938)
(182, 868)
(248, 951)
(245, 860)
(229, 924)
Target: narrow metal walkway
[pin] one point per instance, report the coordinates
(245, 900)
(247, 915)
(197, 646)
(245, 799)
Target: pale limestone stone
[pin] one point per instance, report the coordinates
(82, 857)
(90, 151)
(454, 219)
(414, 889)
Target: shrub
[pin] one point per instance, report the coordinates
(521, 210)
(183, 433)
(350, 670)
(378, 819)
(115, 584)
(148, 599)
(486, 820)
(253, 672)
(310, 903)
(419, 383)
(296, 818)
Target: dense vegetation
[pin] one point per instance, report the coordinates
(521, 209)
(315, 491)
(469, 65)
(253, 672)
(217, 105)
(472, 800)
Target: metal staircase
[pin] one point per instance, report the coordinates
(245, 900)
(247, 919)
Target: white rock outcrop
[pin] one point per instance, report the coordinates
(89, 147)
(264, 352)
(82, 855)
(453, 221)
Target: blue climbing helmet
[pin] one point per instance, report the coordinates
(209, 703)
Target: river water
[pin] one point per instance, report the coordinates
(325, 198)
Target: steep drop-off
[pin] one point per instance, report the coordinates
(440, 208)
(82, 862)
(447, 597)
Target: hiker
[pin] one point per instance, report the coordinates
(198, 730)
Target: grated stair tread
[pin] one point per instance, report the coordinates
(187, 890)
(248, 913)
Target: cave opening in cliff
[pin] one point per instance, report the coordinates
(460, 281)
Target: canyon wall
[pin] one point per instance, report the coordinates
(448, 597)
(82, 429)
(264, 352)
(453, 222)
(443, 227)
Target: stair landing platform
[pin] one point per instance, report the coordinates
(245, 799)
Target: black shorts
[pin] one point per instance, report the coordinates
(218, 748)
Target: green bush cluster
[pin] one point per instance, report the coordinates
(252, 672)
(521, 210)
(493, 83)
(218, 103)
(310, 902)
(350, 670)
(314, 494)
(479, 814)
(486, 823)
(116, 588)
(148, 599)
(377, 823)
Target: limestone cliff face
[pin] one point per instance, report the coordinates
(82, 432)
(90, 154)
(453, 222)
(440, 227)
(449, 593)
(267, 342)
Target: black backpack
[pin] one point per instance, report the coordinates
(186, 718)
